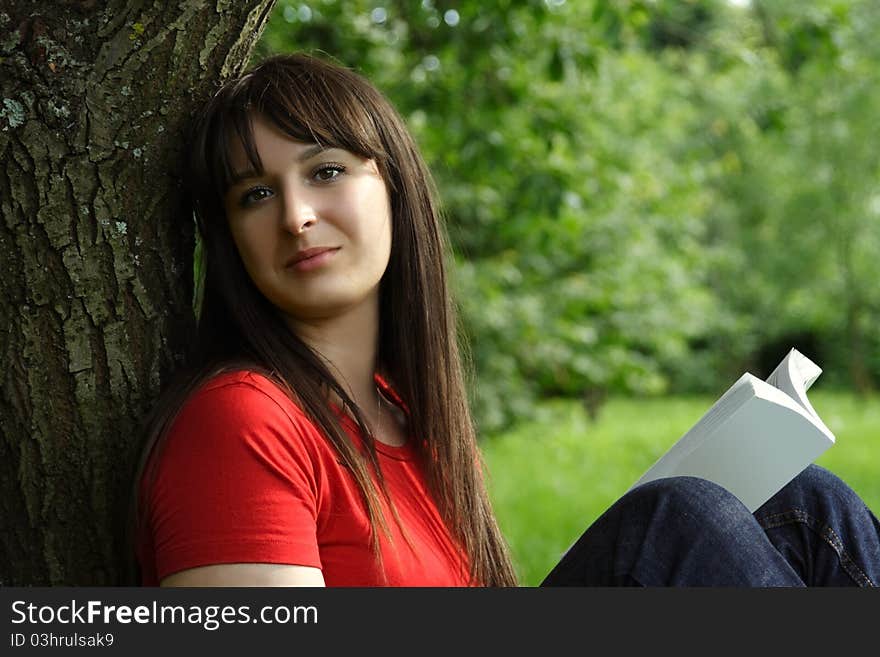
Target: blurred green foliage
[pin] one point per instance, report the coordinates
(643, 196)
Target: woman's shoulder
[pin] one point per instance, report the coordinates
(245, 383)
(235, 401)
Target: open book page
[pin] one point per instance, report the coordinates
(753, 440)
(794, 376)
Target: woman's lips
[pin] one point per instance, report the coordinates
(311, 259)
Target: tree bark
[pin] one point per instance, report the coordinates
(95, 257)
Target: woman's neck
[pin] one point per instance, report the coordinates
(348, 344)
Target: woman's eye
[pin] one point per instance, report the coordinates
(328, 172)
(255, 195)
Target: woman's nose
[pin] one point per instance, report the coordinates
(299, 214)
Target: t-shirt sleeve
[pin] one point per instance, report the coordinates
(236, 482)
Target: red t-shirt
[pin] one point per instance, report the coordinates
(246, 477)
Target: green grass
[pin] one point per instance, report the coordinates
(549, 478)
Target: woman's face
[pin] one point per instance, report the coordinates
(313, 228)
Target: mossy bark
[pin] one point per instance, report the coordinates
(95, 257)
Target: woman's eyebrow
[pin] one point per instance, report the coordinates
(241, 176)
(311, 151)
(246, 174)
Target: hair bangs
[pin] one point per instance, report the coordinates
(322, 109)
(233, 127)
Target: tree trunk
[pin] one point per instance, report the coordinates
(95, 257)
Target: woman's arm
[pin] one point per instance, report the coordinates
(246, 574)
(236, 487)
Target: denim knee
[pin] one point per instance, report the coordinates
(690, 511)
(691, 498)
(824, 529)
(694, 532)
(676, 531)
(815, 493)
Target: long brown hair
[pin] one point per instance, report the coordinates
(313, 100)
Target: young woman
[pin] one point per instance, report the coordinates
(322, 435)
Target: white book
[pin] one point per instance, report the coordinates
(756, 438)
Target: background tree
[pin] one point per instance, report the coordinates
(96, 257)
(791, 121)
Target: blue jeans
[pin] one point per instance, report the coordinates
(685, 531)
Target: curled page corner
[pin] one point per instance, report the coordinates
(803, 369)
(794, 376)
